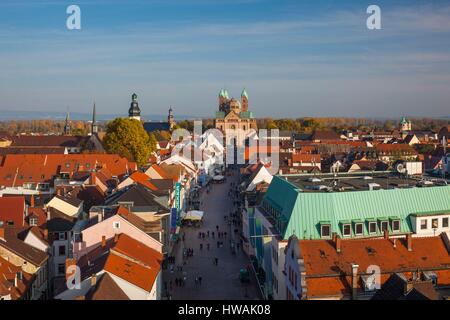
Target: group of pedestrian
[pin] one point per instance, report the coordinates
(198, 280)
(180, 282)
(188, 252)
(171, 259)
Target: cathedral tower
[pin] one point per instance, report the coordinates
(244, 100)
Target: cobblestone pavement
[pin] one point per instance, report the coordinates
(219, 282)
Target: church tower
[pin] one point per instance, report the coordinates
(244, 100)
(67, 125)
(134, 112)
(94, 127)
(170, 120)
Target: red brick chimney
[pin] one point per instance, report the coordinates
(337, 243)
(93, 178)
(354, 281)
(409, 241)
(103, 241)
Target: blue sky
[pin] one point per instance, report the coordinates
(296, 58)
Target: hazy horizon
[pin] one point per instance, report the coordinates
(314, 59)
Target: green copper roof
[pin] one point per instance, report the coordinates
(221, 94)
(225, 94)
(220, 114)
(305, 210)
(246, 115)
(244, 93)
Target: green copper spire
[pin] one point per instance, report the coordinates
(244, 94)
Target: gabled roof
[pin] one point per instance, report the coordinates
(325, 135)
(49, 141)
(8, 274)
(25, 251)
(12, 209)
(394, 289)
(140, 196)
(134, 262)
(106, 289)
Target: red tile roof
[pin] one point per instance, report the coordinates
(306, 157)
(8, 273)
(329, 272)
(143, 179)
(17, 169)
(12, 209)
(134, 262)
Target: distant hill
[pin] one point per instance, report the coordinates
(39, 115)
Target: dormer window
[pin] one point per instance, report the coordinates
(358, 228)
(325, 229)
(34, 221)
(384, 225)
(346, 229)
(372, 225)
(395, 225)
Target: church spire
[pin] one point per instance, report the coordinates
(67, 124)
(94, 128)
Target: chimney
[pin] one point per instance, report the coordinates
(94, 280)
(116, 237)
(337, 242)
(70, 262)
(354, 281)
(386, 234)
(2, 233)
(394, 242)
(93, 178)
(58, 191)
(409, 241)
(17, 278)
(103, 241)
(32, 204)
(46, 234)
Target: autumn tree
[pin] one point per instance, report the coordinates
(128, 138)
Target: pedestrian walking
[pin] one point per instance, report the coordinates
(207, 233)
(201, 246)
(212, 234)
(217, 228)
(200, 280)
(216, 260)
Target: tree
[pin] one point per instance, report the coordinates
(128, 138)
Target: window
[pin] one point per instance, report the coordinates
(62, 250)
(434, 223)
(423, 224)
(444, 222)
(384, 225)
(325, 230)
(372, 227)
(395, 225)
(358, 229)
(34, 221)
(346, 230)
(61, 236)
(116, 224)
(61, 268)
